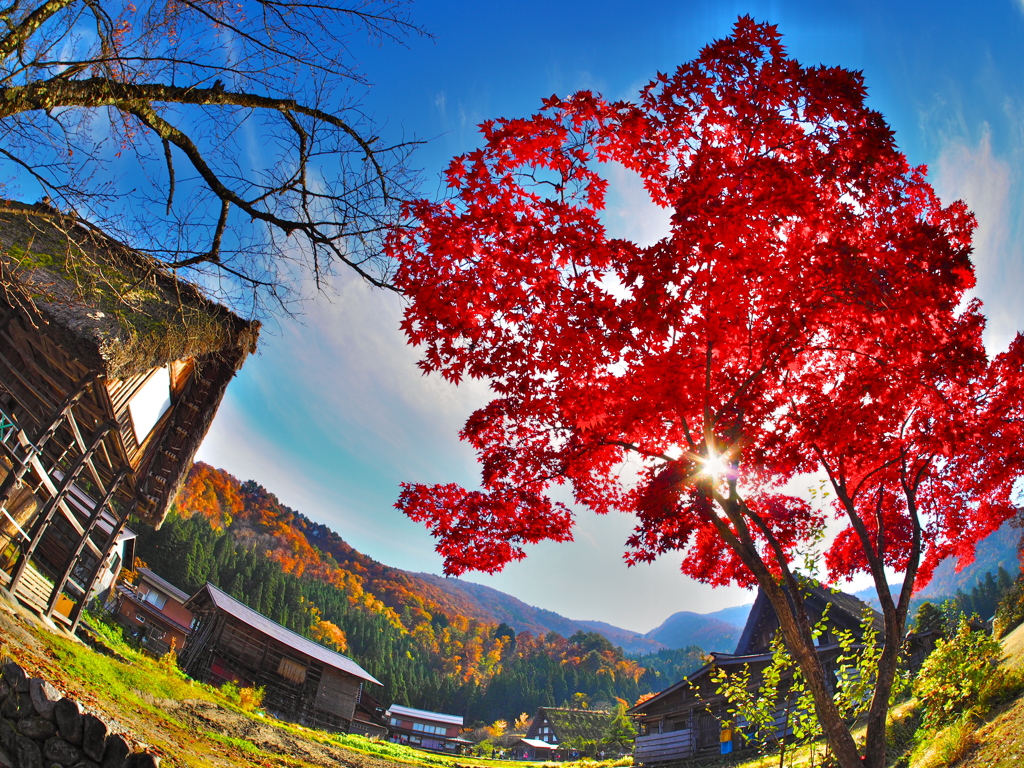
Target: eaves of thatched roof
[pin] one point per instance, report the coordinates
(586, 724)
(119, 310)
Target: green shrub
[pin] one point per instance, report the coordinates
(246, 699)
(952, 678)
(1010, 612)
(1003, 686)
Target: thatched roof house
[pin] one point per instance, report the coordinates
(111, 370)
(554, 725)
(684, 721)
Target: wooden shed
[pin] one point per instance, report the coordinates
(111, 370)
(304, 681)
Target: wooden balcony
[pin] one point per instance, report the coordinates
(663, 747)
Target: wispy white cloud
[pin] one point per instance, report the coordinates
(630, 213)
(988, 183)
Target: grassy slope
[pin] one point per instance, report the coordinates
(1001, 741)
(189, 725)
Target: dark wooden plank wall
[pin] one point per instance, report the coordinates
(326, 698)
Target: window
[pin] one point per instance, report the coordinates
(157, 600)
(424, 728)
(150, 402)
(292, 670)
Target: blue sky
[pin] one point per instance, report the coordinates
(332, 414)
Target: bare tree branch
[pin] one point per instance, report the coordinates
(221, 138)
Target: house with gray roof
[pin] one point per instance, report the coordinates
(420, 728)
(153, 611)
(304, 681)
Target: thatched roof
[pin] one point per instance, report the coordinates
(120, 310)
(586, 724)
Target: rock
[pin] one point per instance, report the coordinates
(69, 720)
(116, 751)
(38, 728)
(16, 706)
(85, 764)
(27, 753)
(5, 688)
(142, 760)
(15, 677)
(94, 737)
(6, 761)
(8, 733)
(60, 752)
(44, 697)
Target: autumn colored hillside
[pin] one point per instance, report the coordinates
(473, 650)
(304, 547)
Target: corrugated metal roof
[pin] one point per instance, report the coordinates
(261, 623)
(422, 714)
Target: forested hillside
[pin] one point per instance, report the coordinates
(431, 647)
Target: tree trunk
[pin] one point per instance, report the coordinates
(801, 646)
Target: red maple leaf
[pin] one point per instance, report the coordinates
(803, 315)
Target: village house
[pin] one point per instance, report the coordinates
(685, 720)
(111, 370)
(153, 612)
(568, 727)
(425, 730)
(304, 682)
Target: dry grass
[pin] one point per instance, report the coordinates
(949, 746)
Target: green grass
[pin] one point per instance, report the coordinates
(129, 683)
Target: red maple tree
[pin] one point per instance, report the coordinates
(806, 314)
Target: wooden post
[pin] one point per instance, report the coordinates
(42, 521)
(72, 559)
(34, 448)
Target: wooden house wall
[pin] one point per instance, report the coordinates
(325, 697)
(61, 406)
(39, 374)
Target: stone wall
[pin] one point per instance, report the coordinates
(40, 729)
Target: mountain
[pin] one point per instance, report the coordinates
(998, 550)
(439, 644)
(686, 628)
(737, 615)
(494, 606)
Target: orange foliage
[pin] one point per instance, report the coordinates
(456, 634)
